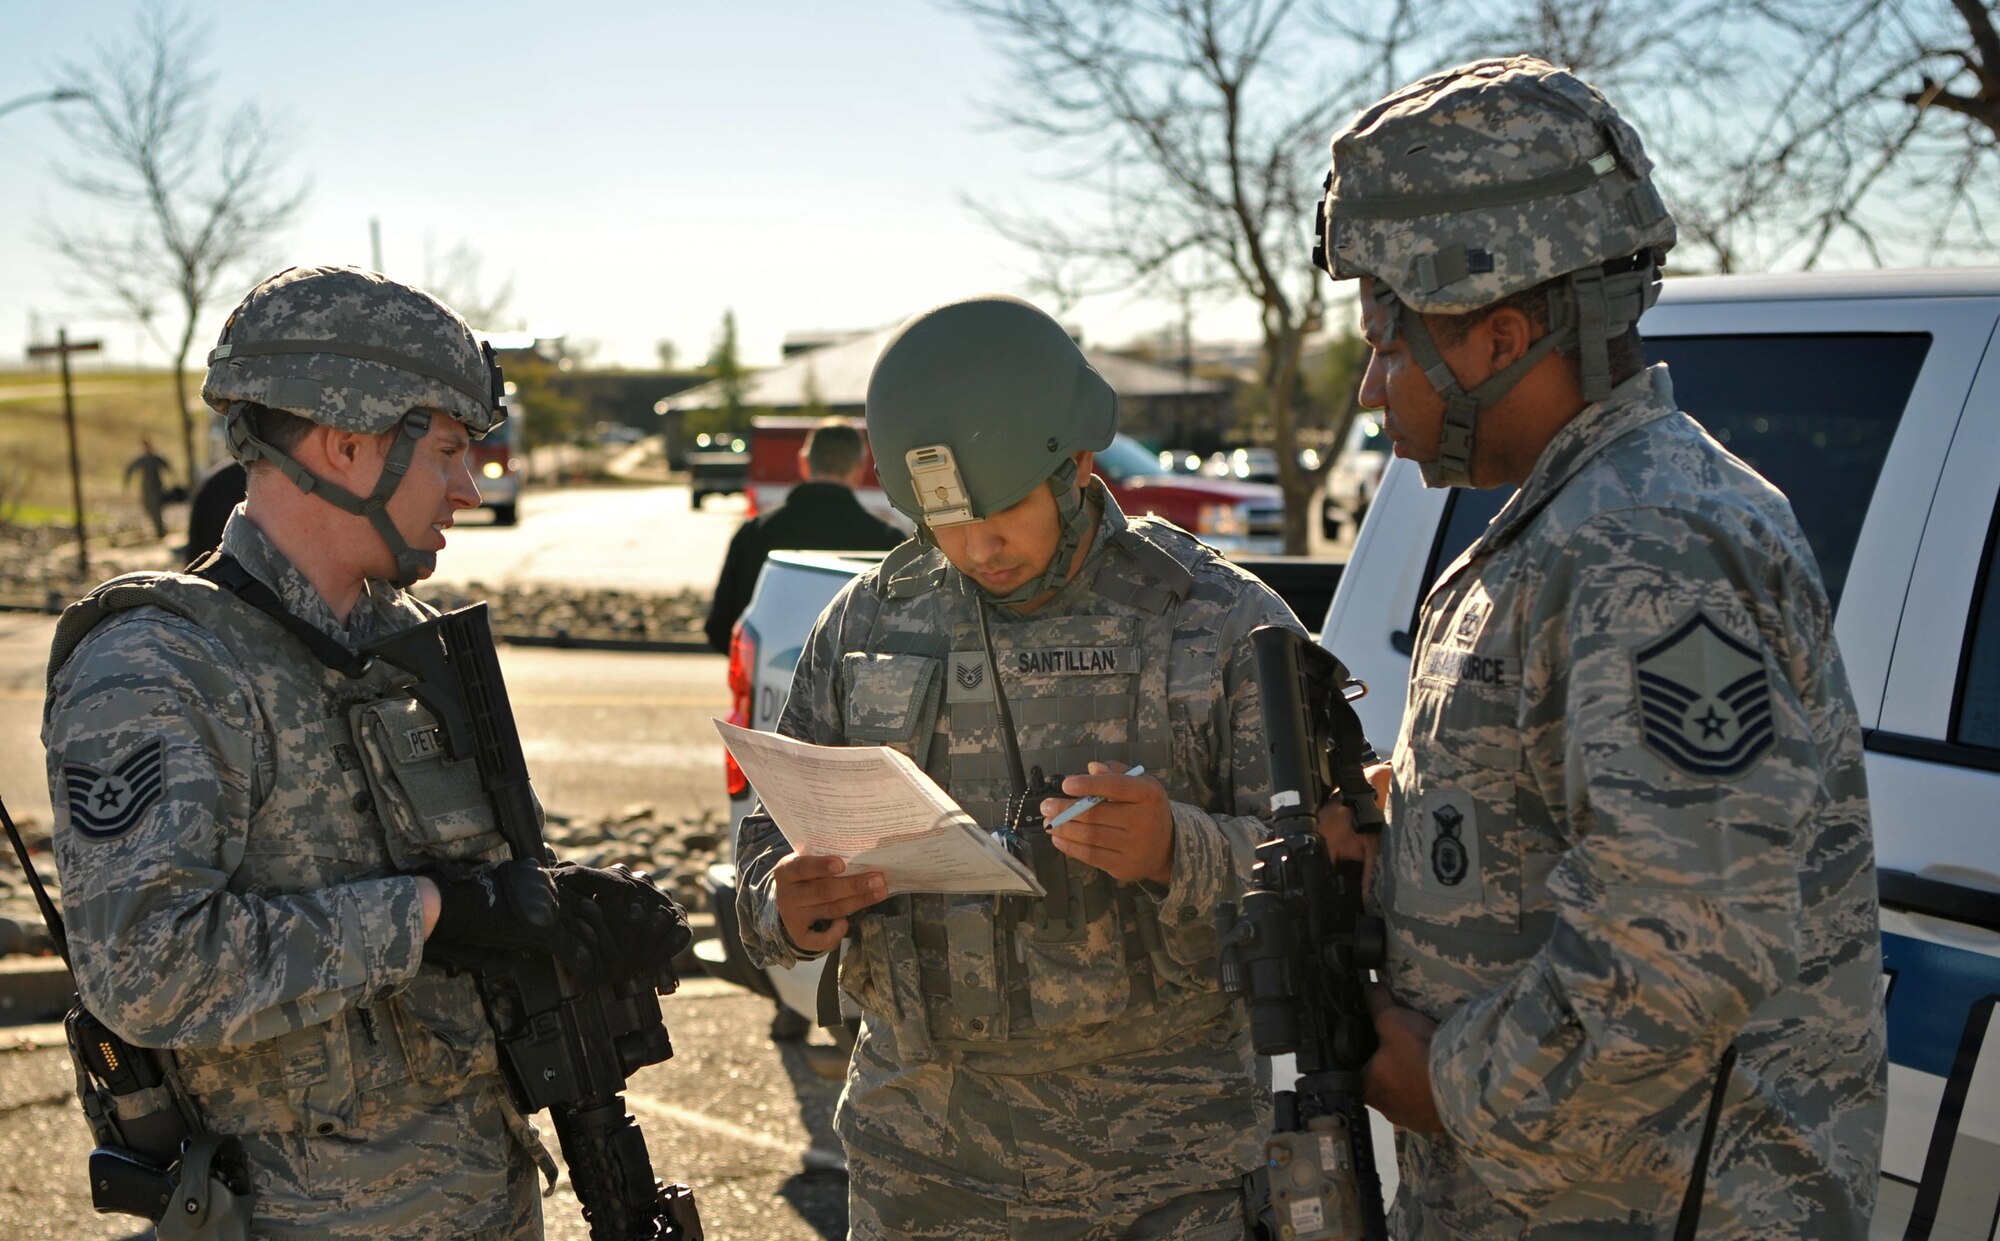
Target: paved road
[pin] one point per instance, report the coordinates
(630, 538)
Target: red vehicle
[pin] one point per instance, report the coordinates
(1231, 515)
(496, 466)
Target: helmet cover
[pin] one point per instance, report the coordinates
(352, 350)
(1482, 181)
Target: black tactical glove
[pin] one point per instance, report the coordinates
(635, 929)
(500, 910)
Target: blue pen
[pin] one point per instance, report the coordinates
(1086, 803)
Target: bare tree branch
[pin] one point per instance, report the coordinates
(185, 204)
(1203, 141)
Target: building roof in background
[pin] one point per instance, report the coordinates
(839, 373)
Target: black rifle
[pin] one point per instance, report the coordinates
(1299, 950)
(566, 1044)
(150, 1149)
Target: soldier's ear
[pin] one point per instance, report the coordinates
(344, 456)
(1506, 333)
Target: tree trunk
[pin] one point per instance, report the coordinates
(1282, 346)
(181, 406)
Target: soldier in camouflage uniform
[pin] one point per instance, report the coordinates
(1033, 1068)
(237, 821)
(1628, 827)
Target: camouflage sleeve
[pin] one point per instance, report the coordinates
(154, 745)
(1656, 714)
(812, 713)
(1215, 843)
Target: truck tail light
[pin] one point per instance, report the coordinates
(742, 669)
(1227, 520)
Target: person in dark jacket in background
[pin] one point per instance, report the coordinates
(821, 514)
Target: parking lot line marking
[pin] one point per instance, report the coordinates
(615, 700)
(813, 1158)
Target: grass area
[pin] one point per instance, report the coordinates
(113, 409)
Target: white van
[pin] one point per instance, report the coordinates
(1873, 401)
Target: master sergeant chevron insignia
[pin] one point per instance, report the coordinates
(1704, 700)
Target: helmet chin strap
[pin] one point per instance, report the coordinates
(1075, 515)
(411, 564)
(1586, 310)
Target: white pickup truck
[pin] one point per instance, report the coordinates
(1873, 401)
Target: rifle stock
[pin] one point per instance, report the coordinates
(564, 1045)
(1299, 949)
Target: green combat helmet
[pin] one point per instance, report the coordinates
(354, 351)
(974, 404)
(1477, 183)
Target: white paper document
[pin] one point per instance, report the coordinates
(878, 810)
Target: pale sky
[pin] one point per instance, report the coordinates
(634, 168)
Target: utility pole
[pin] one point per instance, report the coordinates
(375, 241)
(63, 347)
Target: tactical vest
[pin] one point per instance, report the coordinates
(1004, 982)
(357, 788)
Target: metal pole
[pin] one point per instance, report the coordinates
(75, 461)
(375, 241)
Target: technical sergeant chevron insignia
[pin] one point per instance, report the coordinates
(105, 804)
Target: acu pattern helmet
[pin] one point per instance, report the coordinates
(974, 404)
(355, 351)
(1480, 182)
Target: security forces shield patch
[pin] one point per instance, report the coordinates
(1704, 700)
(105, 804)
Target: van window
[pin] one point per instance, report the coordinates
(1976, 720)
(1814, 414)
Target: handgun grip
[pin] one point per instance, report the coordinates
(121, 1183)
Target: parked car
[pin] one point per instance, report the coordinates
(496, 465)
(792, 590)
(716, 472)
(1225, 513)
(1354, 477)
(1232, 515)
(1247, 465)
(1873, 402)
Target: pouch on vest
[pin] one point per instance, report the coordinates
(1082, 981)
(891, 700)
(301, 1082)
(446, 1040)
(432, 808)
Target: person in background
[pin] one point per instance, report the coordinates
(151, 468)
(821, 514)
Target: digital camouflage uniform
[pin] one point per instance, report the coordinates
(1014, 1080)
(1629, 826)
(232, 823)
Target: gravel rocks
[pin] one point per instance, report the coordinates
(38, 563)
(566, 614)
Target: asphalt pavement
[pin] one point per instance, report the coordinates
(629, 537)
(745, 1122)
